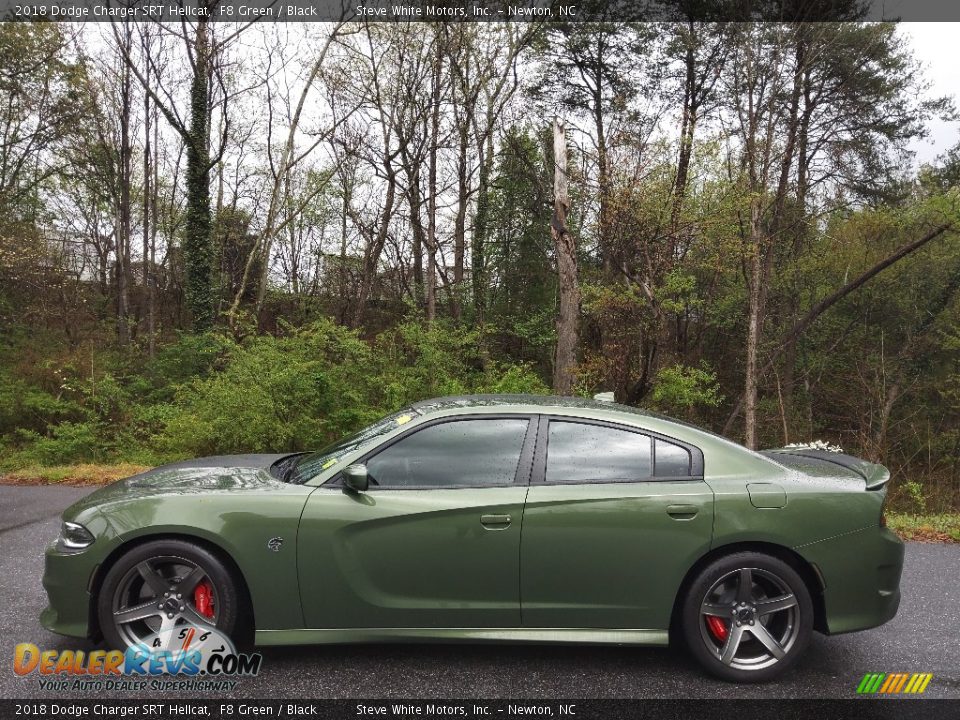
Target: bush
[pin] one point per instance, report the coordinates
(270, 395)
(680, 389)
(210, 394)
(69, 442)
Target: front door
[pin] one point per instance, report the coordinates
(434, 542)
(613, 520)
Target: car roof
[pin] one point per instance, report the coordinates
(564, 404)
(540, 402)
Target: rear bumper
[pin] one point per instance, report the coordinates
(861, 574)
(66, 578)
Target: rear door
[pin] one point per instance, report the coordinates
(434, 542)
(614, 518)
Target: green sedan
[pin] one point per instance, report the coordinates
(491, 518)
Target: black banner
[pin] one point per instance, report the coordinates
(572, 709)
(479, 10)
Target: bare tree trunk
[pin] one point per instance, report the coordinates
(123, 225)
(415, 201)
(432, 192)
(417, 242)
(603, 178)
(375, 245)
(877, 452)
(344, 214)
(687, 127)
(147, 263)
(478, 249)
(460, 223)
(758, 119)
(566, 251)
(145, 266)
(753, 326)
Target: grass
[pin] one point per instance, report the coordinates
(941, 527)
(83, 474)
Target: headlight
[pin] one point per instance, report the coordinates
(74, 536)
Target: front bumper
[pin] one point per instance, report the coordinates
(67, 578)
(861, 574)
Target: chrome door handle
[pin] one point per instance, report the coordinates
(495, 522)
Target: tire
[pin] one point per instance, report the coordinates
(772, 618)
(149, 576)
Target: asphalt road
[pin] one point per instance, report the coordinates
(924, 637)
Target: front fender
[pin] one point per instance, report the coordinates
(258, 531)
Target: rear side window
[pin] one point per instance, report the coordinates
(671, 460)
(578, 452)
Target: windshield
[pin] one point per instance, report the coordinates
(312, 464)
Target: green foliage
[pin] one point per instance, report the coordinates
(941, 527)
(519, 250)
(271, 394)
(679, 292)
(266, 397)
(911, 497)
(680, 389)
(417, 361)
(187, 357)
(208, 394)
(67, 442)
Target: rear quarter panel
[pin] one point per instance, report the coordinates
(815, 507)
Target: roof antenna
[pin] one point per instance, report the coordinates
(604, 397)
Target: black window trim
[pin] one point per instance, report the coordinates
(524, 466)
(539, 476)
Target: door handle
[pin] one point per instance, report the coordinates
(682, 512)
(495, 522)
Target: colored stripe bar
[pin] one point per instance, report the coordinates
(899, 686)
(894, 683)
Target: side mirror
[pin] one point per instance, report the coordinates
(355, 477)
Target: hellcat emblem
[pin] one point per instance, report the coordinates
(275, 543)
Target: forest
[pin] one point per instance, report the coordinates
(220, 237)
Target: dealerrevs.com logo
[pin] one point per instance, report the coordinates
(894, 683)
(188, 658)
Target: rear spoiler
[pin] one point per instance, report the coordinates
(875, 476)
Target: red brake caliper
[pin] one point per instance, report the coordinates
(716, 625)
(203, 598)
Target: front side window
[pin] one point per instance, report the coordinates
(310, 465)
(578, 452)
(459, 453)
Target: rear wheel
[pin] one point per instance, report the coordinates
(747, 617)
(161, 587)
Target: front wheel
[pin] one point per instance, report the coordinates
(156, 590)
(747, 617)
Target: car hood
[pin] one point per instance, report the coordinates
(221, 473)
